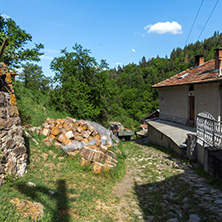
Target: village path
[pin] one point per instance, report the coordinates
(159, 186)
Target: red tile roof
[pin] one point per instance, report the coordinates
(204, 73)
(144, 126)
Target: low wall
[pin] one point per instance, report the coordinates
(156, 137)
(12, 146)
(173, 119)
(209, 158)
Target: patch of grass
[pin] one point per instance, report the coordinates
(169, 152)
(33, 106)
(7, 212)
(77, 189)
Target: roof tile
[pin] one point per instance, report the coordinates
(204, 73)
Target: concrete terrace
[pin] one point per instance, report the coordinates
(169, 134)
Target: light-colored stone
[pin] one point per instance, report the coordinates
(44, 156)
(69, 135)
(97, 167)
(46, 132)
(30, 184)
(27, 208)
(194, 217)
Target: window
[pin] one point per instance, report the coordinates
(191, 87)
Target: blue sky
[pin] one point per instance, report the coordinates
(120, 31)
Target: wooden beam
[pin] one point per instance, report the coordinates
(3, 47)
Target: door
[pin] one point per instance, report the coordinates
(192, 107)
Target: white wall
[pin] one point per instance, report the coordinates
(174, 101)
(207, 98)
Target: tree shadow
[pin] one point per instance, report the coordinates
(172, 198)
(42, 193)
(27, 145)
(141, 140)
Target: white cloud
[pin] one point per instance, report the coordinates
(140, 34)
(5, 16)
(51, 50)
(165, 27)
(47, 57)
(18, 70)
(133, 50)
(118, 63)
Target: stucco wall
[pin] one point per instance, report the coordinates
(173, 103)
(207, 97)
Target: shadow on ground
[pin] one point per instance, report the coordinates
(44, 196)
(27, 145)
(172, 198)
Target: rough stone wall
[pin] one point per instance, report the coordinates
(192, 147)
(173, 119)
(12, 146)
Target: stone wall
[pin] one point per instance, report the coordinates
(174, 119)
(12, 146)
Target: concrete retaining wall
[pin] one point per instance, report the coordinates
(158, 138)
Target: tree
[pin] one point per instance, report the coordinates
(33, 78)
(15, 51)
(142, 63)
(82, 86)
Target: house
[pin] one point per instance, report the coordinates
(181, 98)
(151, 116)
(194, 90)
(192, 98)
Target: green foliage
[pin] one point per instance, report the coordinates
(83, 89)
(86, 89)
(33, 77)
(16, 51)
(134, 82)
(124, 94)
(33, 105)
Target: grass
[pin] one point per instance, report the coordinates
(33, 106)
(79, 194)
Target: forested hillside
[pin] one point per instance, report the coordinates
(133, 82)
(86, 89)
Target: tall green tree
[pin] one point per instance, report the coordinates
(16, 51)
(82, 84)
(33, 77)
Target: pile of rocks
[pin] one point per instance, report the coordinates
(90, 139)
(12, 146)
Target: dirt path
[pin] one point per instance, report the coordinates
(160, 187)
